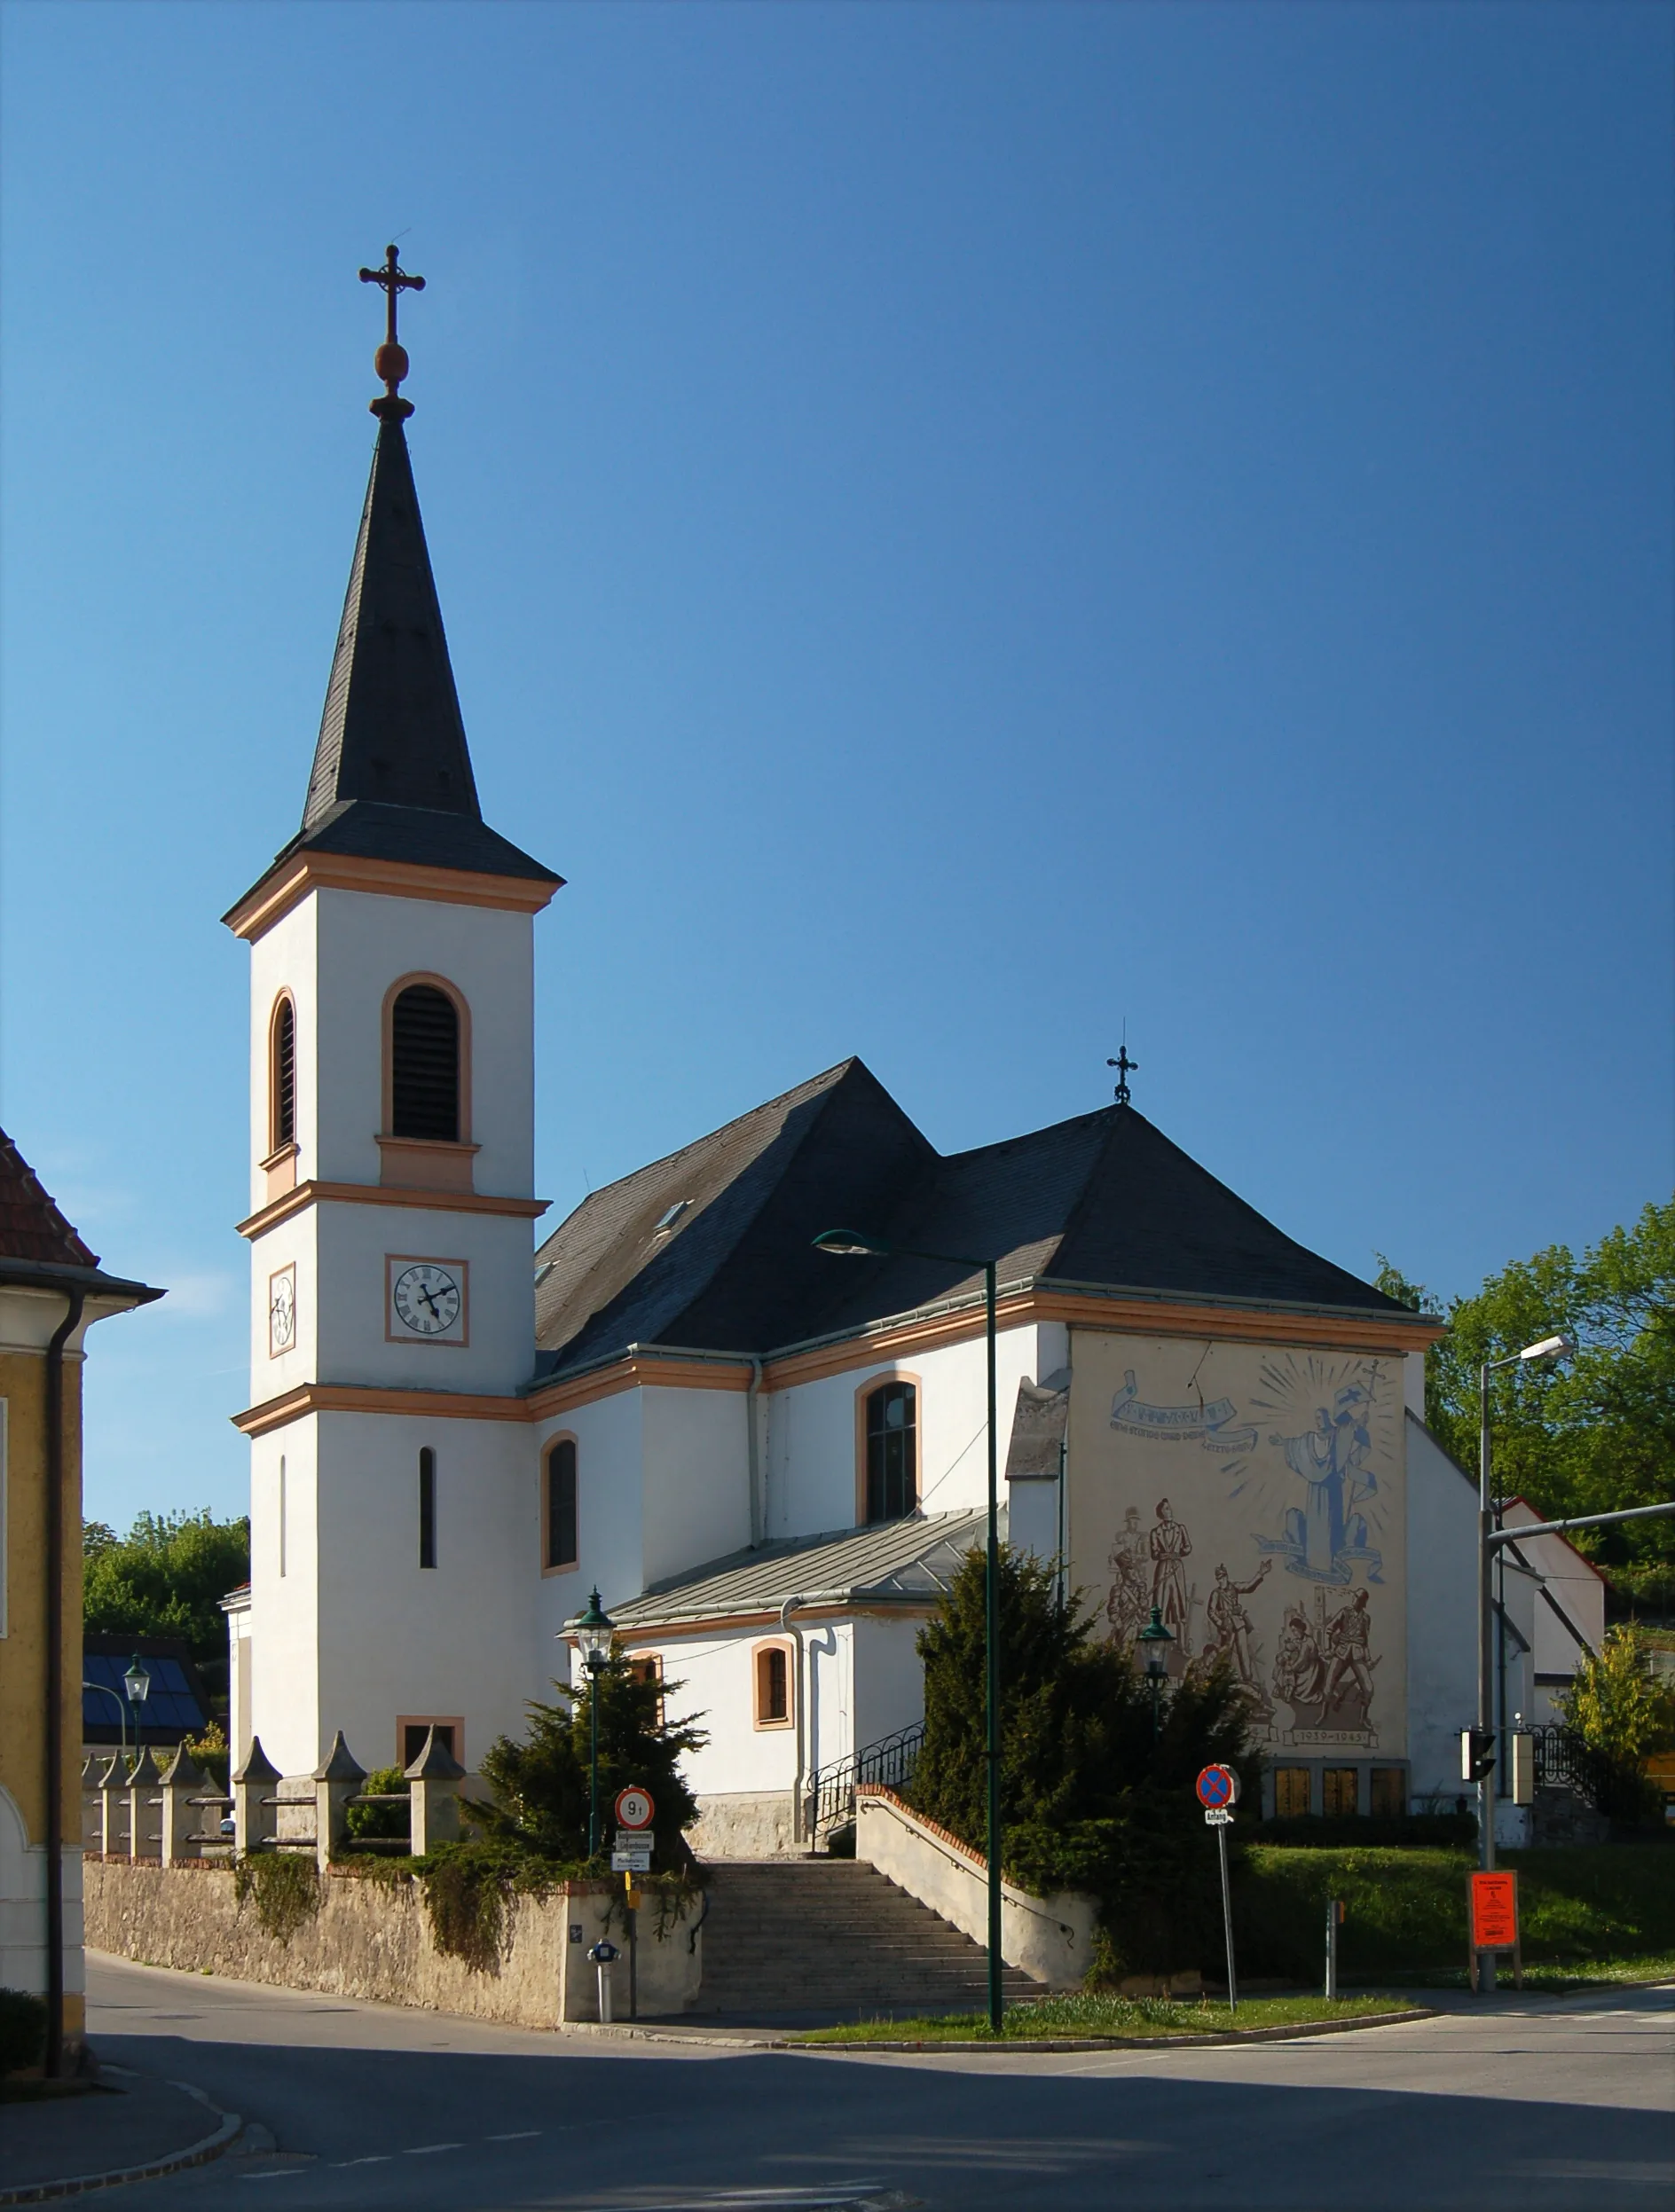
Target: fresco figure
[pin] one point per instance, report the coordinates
(1350, 1664)
(1231, 1624)
(1325, 1537)
(1169, 1546)
(1300, 1671)
(1126, 1602)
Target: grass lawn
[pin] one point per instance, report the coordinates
(1079, 2015)
(1592, 1974)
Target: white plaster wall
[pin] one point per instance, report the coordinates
(889, 1675)
(23, 1957)
(1031, 1518)
(283, 1621)
(353, 1243)
(828, 1721)
(717, 1693)
(811, 1432)
(1413, 1384)
(697, 1504)
(295, 1244)
(609, 1461)
(1441, 1612)
(286, 958)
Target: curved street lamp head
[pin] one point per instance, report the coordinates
(1560, 1347)
(137, 1682)
(850, 1243)
(593, 1631)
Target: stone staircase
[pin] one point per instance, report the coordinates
(823, 1935)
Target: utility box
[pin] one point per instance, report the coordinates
(1524, 1768)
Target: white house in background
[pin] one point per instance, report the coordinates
(766, 1458)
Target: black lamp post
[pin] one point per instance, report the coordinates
(593, 1631)
(137, 1682)
(852, 1243)
(1157, 1641)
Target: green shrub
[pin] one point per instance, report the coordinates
(22, 2031)
(386, 1823)
(286, 1886)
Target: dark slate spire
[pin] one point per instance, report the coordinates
(391, 731)
(392, 776)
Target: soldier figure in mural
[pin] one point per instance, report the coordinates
(1231, 1629)
(1325, 1537)
(1169, 1545)
(1127, 1604)
(1323, 1669)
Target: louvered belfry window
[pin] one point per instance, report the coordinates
(284, 1075)
(424, 1045)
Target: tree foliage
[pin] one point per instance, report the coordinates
(541, 1785)
(1090, 1799)
(1617, 1704)
(166, 1577)
(1595, 1434)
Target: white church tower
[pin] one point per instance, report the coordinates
(391, 1198)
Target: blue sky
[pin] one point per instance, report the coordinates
(958, 527)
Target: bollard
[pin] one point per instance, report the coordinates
(113, 1791)
(143, 1785)
(1335, 1921)
(336, 1782)
(435, 1775)
(178, 1831)
(254, 1823)
(603, 1954)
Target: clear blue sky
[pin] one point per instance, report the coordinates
(957, 526)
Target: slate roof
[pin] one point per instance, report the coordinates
(907, 1562)
(1104, 1202)
(392, 777)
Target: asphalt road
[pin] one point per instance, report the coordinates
(1544, 2105)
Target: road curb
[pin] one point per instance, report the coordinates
(200, 2154)
(744, 2039)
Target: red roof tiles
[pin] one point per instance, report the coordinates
(31, 1227)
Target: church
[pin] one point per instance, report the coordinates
(765, 1456)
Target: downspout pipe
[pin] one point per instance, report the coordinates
(800, 1673)
(753, 1449)
(75, 1300)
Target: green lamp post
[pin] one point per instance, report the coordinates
(593, 1631)
(852, 1243)
(1157, 1640)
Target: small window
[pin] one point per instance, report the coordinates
(283, 1129)
(1291, 1793)
(414, 1732)
(647, 1668)
(772, 1686)
(667, 1219)
(892, 1481)
(424, 1065)
(561, 1537)
(1341, 1791)
(1389, 1792)
(426, 1507)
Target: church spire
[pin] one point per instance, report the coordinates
(392, 781)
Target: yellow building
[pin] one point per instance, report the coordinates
(51, 1291)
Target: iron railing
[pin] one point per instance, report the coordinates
(887, 1764)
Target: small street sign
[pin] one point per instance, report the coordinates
(630, 1858)
(1217, 1790)
(634, 1808)
(1217, 1785)
(1218, 1816)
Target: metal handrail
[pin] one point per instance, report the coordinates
(889, 1763)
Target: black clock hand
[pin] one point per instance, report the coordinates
(429, 1301)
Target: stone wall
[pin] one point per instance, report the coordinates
(372, 1939)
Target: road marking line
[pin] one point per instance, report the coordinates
(522, 2135)
(423, 2150)
(379, 2158)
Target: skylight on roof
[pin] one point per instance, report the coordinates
(666, 1221)
(543, 1271)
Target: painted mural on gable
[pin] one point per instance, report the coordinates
(1253, 1493)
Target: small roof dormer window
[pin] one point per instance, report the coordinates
(667, 1219)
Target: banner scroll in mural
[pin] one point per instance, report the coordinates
(1208, 1425)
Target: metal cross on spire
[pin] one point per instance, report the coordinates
(390, 360)
(1125, 1068)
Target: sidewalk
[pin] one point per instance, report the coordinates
(133, 2124)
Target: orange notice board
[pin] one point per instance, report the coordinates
(1494, 1912)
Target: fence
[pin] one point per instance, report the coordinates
(119, 1801)
(888, 1765)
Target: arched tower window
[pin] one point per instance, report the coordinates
(561, 1550)
(282, 1076)
(892, 1474)
(424, 1065)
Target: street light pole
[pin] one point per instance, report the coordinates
(1486, 1744)
(852, 1243)
(593, 1631)
(1155, 1637)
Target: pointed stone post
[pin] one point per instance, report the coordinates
(113, 1786)
(142, 1786)
(254, 1824)
(179, 1828)
(435, 1776)
(336, 1782)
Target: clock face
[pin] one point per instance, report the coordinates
(282, 1312)
(425, 1297)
